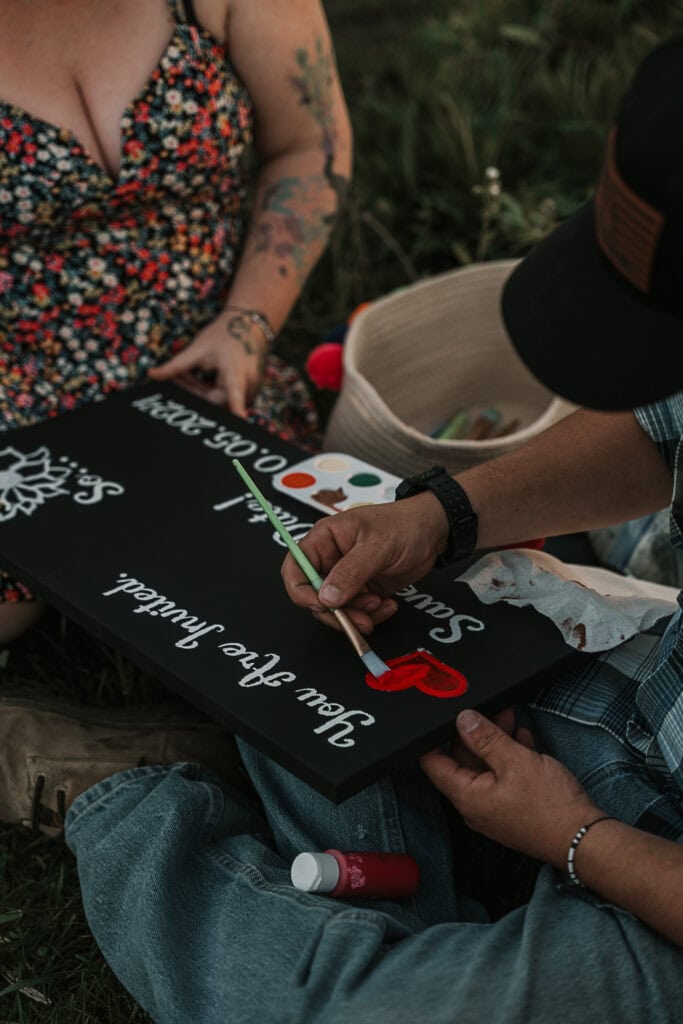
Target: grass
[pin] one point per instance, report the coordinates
(50, 969)
(439, 91)
(527, 86)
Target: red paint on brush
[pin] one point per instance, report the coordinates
(423, 671)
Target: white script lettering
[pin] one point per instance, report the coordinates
(257, 676)
(152, 606)
(449, 634)
(342, 717)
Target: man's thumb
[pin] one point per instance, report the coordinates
(347, 578)
(483, 738)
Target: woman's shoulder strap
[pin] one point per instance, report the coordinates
(183, 12)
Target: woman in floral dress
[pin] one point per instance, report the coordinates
(128, 246)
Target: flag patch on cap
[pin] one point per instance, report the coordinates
(627, 228)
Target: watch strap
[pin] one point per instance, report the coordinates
(462, 519)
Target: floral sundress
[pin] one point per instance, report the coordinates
(102, 278)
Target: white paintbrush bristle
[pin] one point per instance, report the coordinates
(374, 664)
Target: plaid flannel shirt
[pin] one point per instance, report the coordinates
(635, 691)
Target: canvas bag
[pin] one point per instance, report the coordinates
(416, 357)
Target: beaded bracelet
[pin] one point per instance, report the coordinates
(259, 319)
(573, 877)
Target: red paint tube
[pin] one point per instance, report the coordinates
(350, 873)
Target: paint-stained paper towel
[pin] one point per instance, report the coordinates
(594, 609)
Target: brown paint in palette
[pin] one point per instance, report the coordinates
(333, 482)
(331, 499)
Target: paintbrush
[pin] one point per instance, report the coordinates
(370, 659)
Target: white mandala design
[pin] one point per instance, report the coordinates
(27, 481)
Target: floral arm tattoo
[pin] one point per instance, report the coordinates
(295, 215)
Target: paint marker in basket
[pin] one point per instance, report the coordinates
(456, 428)
(369, 875)
(483, 426)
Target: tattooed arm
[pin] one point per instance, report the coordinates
(283, 52)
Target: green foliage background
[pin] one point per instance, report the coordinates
(438, 92)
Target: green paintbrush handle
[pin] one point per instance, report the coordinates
(313, 576)
(358, 642)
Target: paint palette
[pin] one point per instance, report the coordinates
(334, 482)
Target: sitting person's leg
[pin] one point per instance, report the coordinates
(399, 814)
(17, 617)
(54, 749)
(18, 609)
(641, 548)
(188, 893)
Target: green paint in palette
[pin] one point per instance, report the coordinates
(365, 479)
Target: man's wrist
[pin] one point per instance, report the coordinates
(564, 831)
(433, 515)
(586, 844)
(461, 518)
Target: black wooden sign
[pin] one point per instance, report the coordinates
(129, 516)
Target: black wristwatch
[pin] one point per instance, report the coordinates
(462, 519)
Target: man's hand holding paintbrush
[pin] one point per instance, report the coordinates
(591, 469)
(366, 555)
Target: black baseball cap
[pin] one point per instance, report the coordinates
(596, 309)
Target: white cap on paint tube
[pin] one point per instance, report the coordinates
(315, 872)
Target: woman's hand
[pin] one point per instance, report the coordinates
(233, 350)
(524, 800)
(367, 554)
(283, 53)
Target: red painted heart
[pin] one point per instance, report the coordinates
(423, 671)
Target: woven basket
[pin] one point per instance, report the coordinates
(415, 358)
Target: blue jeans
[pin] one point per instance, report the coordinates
(186, 887)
